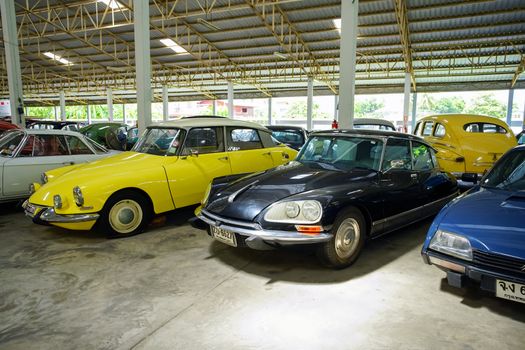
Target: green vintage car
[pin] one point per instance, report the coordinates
(113, 135)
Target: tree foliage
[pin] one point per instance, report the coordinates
(487, 104)
(368, 108)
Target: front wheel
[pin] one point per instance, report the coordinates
(349, 234)
(126, 213)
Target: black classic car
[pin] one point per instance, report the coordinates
(291, 136)
(343, 188)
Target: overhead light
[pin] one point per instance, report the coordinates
(280, 55)
(337, 24)
(112, 4)
(58, 58)
(208, 25)
(173, 45)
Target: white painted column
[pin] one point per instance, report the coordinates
(523, 126)
(414, 110)
(165, 103)
(142, 63)
(406, 101)
(309, 104)
(88, 112)
(269, 111)
(510, 101)
(12, 58)
(124, 118)
(230, 100)
(56, 113)
(349, 10)
(214, 107)
(110, 104)
(336, 107)
(62, 105)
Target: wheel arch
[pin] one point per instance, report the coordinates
(136, 190)
(364, 211)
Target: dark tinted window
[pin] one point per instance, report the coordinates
(204, 140)
(243, 139)
(508, 173)
(397, 155)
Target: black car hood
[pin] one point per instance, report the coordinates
(246, 198)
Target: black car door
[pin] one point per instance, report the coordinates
(400, 185)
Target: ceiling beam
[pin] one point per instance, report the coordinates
(519, 70)
(404, 34)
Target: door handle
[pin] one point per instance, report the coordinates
(286, 155)
(413, 176)
(267, 154)
(223, 158)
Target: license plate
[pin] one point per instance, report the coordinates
(510, 290)
(224, 236)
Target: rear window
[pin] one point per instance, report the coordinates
(427, 128)
(486, 128)
(439, 131)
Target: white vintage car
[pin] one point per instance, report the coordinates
(26, 154)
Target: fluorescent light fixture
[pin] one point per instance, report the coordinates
(208, 25)
(173, 45)
(112, 4)
(58, 58)
(280, 55)
(337, 24)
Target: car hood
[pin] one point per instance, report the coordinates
(491, 218)
(246, 198)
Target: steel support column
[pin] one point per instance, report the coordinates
(349, 10)
(62, 105)
(269, 111)
(214, 107)
(309, 104)
(142, 62)
(165, 103)
(56, 112)
(510, 101)
(230, 100)
(124, 118)
(88, 113)
(406, 101)
(12, 58)
(109, 93)
(336, 107)
(414, 110)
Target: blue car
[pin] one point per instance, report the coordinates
(480, 236)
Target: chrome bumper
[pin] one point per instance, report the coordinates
(48, 214)
(255, 231)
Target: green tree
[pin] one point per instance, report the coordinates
(452, 104)
(487, 104)
(368, 108)
(298, 109)
(41, 112)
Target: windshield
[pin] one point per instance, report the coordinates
(9, 142)
(508, 173)
(160, 141)
(343, 152)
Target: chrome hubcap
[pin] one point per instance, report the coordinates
(125, 216)
(347, 238)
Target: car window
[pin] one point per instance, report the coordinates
(487, 128)
(76, 146)
(49, 145)
(204, 140)
(243, 139)
(397, 155)
(422, 156)
(417, 131)
(99, 149)
(427, 128)
(439, 131)
(9, 143)
(160, 141)
(521, 138)
(288, 136)
(70, 127)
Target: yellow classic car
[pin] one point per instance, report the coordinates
(169, 167)
(466, 144)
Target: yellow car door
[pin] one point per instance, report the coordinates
(246, 151)
(202, 159)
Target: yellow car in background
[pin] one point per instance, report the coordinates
(170, 167)
(467, 145)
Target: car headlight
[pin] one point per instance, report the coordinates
(451, 244)
(77, 195)
(57, 201)
(295, 212)
(43, 178)
(32, 189)
(206, 195)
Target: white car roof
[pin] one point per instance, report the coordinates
(49, 132)
(192, 122)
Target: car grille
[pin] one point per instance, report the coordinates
(499, 261)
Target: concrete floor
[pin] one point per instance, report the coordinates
(175, 288)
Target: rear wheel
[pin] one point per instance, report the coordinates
(126, 213)
(349, 235)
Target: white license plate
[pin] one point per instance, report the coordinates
(224, 236)
(510, 290)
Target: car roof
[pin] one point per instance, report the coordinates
(187, 123)
(54, 122)
(285, 127)
(366, 132)
(464, 119)
(49, 132)
(373, 121)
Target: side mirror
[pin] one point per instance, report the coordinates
(469, 177)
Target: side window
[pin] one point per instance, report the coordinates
(439, 131)
(487, 128)
(205, 140)
(417, 130)
(427, 128)
(50, 145)
(76, 146)
(397, 155)
(422, 156)
(243, 139)
(27, 150)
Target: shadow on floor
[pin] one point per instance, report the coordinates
(300, 264)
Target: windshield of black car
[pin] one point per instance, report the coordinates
(343, 152)
(9, 142)
(160, 141)
(508, 173)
